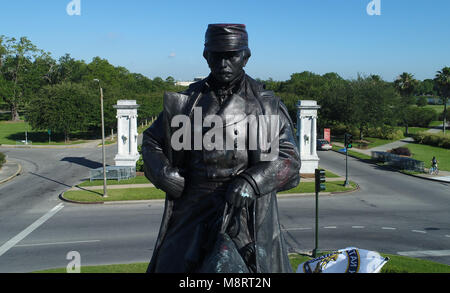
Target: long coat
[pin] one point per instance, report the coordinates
(165, 167)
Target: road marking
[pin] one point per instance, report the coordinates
(425, 253)
(19, 237)
(330, 227)
(57, 243)
(388, 228)
(447, 236)
(419, 231)
(294, 229)
(358, 227)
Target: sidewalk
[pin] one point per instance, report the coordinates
(9, 171)
(443, 175)
(90, 144)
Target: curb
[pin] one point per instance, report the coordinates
(18, 172)
(146, 201)
(426, 178)
(74, 146)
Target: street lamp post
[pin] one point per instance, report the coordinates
(105, 192)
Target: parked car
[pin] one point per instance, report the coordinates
(323, 145)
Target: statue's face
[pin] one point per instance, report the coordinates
(226, 66)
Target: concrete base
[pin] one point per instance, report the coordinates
(126, 161)
(309, 165)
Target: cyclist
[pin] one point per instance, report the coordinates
(434, 166)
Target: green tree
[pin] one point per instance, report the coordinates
(405, 85)
(370, 103)
(20, 54)
(442, 80)
(63, 108)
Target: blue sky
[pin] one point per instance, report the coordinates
(162, 38)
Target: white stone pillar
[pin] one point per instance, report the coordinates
(127, 153)
(307, 135)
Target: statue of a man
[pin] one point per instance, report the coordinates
(202, 184)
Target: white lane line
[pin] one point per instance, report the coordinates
(447, 236)
(425, 253)
(388, 228)
(419, 231)
(57, 243)
(19, 237)
(296, 229)
(358, 227)
(330, 227)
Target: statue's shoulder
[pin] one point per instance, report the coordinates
(180, 102)
(269, 101)
(195, 88)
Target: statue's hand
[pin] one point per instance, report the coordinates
(240, 193)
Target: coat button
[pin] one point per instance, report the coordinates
(236, 132)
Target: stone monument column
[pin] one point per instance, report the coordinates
(307, 135)
(127, 153)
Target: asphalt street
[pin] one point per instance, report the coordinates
(392, 213)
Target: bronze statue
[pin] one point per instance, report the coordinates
(221, 211)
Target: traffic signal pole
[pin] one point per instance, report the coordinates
(348, 144)
(320, 186)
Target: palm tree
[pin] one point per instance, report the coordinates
(442, 81)
(405, 85)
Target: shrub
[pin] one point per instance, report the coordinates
(433, 139)
(401, 151)
(447, 116)
(2, 159)
(385, 132)
(421, 117)
(140, 162)
(422, 101)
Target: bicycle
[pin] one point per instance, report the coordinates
(434, 170)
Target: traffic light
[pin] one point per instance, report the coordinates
(320, 180)
(348, 141)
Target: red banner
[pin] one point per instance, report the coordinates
(327, 134)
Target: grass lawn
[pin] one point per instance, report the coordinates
(309, 187)
(396, 264)
(329, 174)
(10, 132)
(425, 153)
(353, 153)
(136, 180)
(154, 193)
(436, 123)
(438, 108)
(115, 194)
(374, 142)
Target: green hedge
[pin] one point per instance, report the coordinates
(2, 159)
(433, 139)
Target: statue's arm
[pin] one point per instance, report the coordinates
(282, 173)
(156, 164)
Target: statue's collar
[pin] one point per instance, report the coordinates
(225, 90)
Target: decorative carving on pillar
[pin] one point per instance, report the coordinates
(127, 154)
(307, 135)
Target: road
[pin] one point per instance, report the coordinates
(391, 213)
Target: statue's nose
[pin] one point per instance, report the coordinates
(223, 63)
